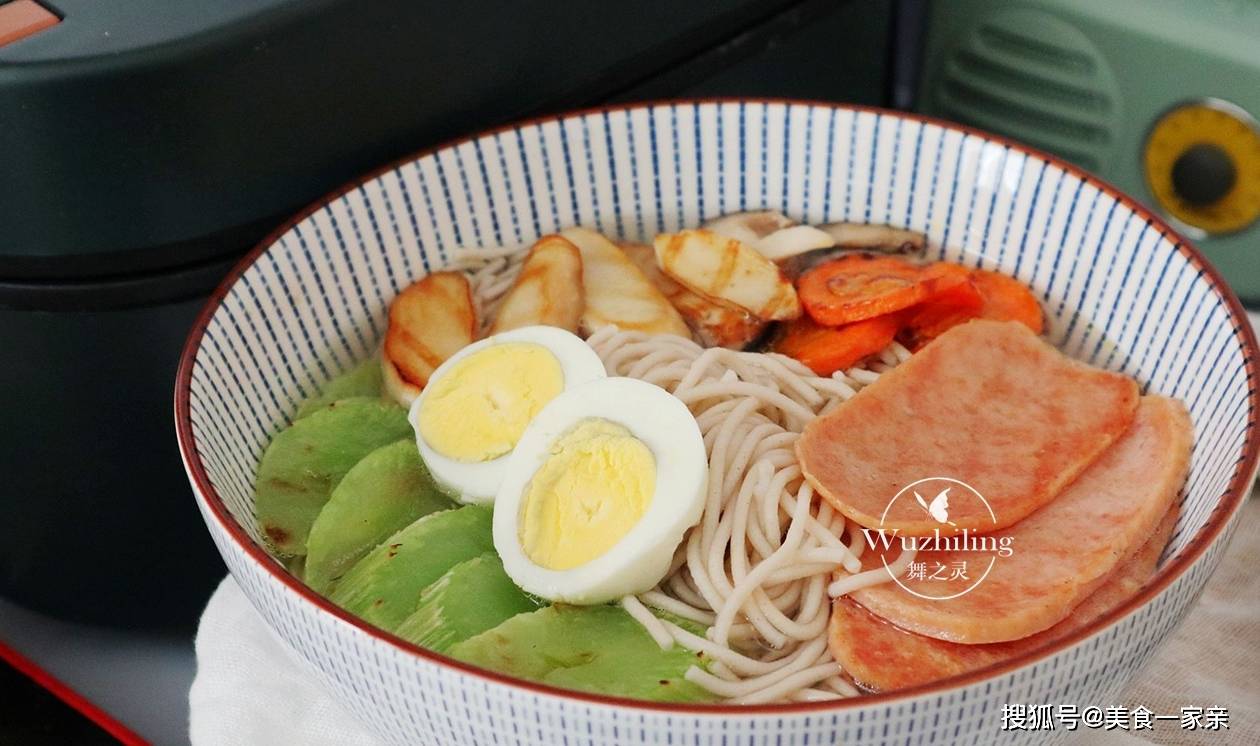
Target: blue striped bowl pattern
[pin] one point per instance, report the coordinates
(1120, 288)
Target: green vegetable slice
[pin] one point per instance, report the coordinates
(469, 599)
(384, 587)
(364, 379)
(386, 491)
(599, 649)
(305, 461)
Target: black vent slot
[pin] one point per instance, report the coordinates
(1032, 76)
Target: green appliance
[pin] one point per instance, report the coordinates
(1156, 96)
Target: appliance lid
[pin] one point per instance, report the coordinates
(133, 133)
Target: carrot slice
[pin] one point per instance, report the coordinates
(1008, 299)
(957, 302)
(861, 286)
(827, 349)
(988, 295)
(946, 274)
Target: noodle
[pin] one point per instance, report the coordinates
(757, 570)
(645, 617)
(866, 579)
(491, 273)
(765, 549)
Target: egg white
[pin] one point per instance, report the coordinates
(477, 482)
(641, 558)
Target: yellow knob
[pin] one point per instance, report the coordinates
(1203, 165)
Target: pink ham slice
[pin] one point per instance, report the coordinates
(988, 403)
(881, 657)
(1061, 553)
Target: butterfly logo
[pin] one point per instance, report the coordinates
(938, 508)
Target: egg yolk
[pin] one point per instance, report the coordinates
(594, 486)
(478, 409)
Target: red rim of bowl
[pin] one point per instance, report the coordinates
(1228, 504)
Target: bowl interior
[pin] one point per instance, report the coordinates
(1118, 288)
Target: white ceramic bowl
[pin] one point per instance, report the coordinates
(1121, 289)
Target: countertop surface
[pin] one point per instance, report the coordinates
(139, 678)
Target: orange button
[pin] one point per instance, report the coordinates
(21, 18)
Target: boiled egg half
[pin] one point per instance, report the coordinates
(599, 492)
(477, 405)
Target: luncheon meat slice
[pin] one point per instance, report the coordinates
(1061, 553)
(987, 403)
(881, 657)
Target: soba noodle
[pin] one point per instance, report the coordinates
(757, 570)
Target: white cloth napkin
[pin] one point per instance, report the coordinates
(250, 689)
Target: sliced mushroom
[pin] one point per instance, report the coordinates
(725, 270)
(714, 324)
(429, 321)
(772, 234)
(749, 227)
(794, 241)
(854, 237)
(777, 237)
(880, 237)
(394, 386)
(617, 292)
(547, 291)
